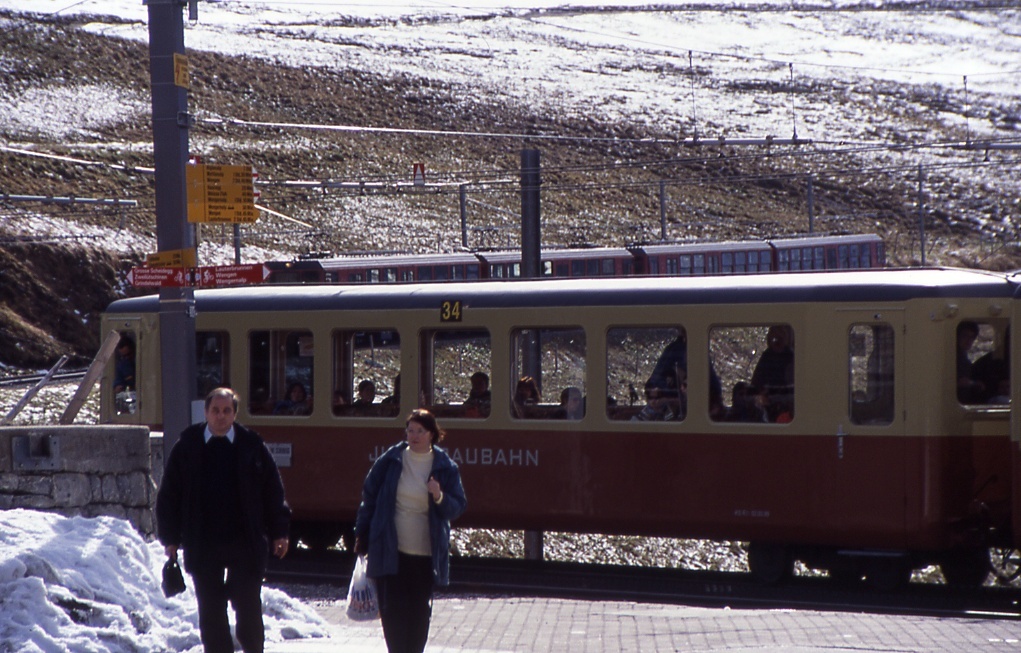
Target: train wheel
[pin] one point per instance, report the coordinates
(966, 568)
(1006, 564)
(770, 563)
(888, 574)
(320, 536)
(348, 539)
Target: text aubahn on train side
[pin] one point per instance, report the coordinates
(863, 422)
(830, 252)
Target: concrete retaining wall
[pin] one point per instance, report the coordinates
(82, 470)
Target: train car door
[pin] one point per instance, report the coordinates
(864, 453)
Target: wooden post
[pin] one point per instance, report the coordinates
(32, 392)
(91, 375)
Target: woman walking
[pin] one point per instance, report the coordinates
(410, 496)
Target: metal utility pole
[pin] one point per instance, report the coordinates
(530, 230)
(168, 71)
(531, 262)
(921, 210)
(662, 210)
(462, 202)
(811, 206)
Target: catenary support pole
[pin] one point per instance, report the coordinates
(531, 262)
(170, 123)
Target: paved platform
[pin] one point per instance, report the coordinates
(537, 625)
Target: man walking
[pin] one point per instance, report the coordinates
(222, 501)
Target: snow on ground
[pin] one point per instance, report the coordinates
(89, 585)
(623, 60)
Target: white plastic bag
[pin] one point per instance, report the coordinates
(362, 601)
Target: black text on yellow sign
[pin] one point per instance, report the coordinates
(221, 193)
(177, 258)
(182, 76)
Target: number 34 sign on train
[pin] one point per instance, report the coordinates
(203, 277)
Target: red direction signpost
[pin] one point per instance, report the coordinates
(232, 275)
(141, 277)
(206, 276)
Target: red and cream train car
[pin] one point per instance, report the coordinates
(859, 452)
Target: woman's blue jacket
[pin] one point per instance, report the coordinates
(375, 521)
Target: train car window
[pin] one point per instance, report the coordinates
(211, 357)
(653, 265)
(356, 277)
(866, 256)
(646, 374)
(783, 260)
(983, 363)
(627, 268)
(609, 268)
(871, 370)
(407, 275)
(425, 273)
(374, 275)
(740, 264)
(577, 268)
(726, 262)
(563, 270)
(831, 260)
(673, 267)
(843, 257)
(712, 265)
(755, 368)
(454, 374)
(547, 269)
(472, 271)
(280, 372)
(548, 362)
(366, 373)
(592, 268)
(684, 269)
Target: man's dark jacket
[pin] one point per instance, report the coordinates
(265, 513)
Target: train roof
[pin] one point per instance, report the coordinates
(842, 239)
(512, 256)
(879, 285)
(694, 248)
(396, 260)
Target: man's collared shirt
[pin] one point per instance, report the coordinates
(229, 436)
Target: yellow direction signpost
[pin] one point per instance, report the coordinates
(221, 193)
(179, 258)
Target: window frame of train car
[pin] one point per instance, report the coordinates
(528, 358)
(427, 369)
(346, 377)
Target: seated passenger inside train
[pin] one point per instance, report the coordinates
(663, 404)
(969, 389)
(774, 373)
(572, 404)
(990, 374)
(526, 398)
(747, 404)
(296, 401)
(366, 394)
(479, 397)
